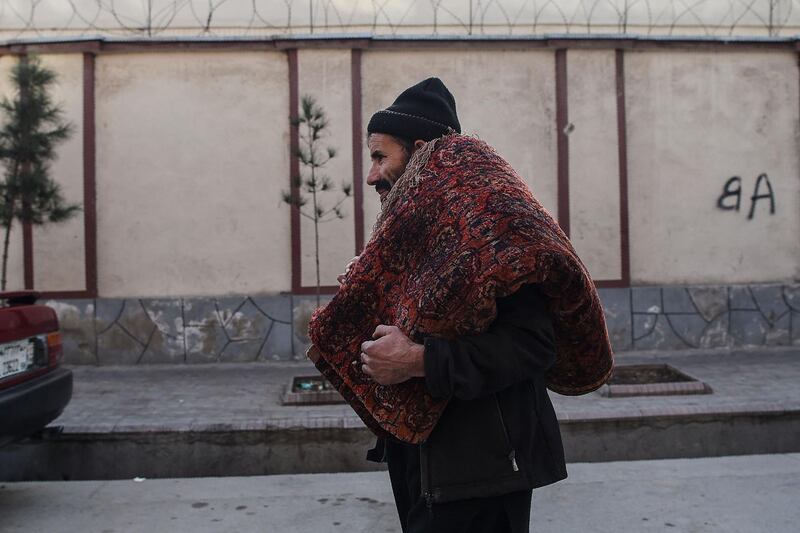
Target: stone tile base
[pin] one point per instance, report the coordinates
(111, 331)
(677, 318)
(272, 327)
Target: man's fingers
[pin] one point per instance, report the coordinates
(313, 353)
(350, 264)
(367, 370)
(340, 277)
(382, 330)
(365, 345)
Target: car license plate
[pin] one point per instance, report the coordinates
(15, 357)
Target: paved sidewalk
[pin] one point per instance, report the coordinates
(742, 494)
(246, 396)
(227, 420)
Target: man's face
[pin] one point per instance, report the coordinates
(389, 160)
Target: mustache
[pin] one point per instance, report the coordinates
(387, 182)
(382, 185)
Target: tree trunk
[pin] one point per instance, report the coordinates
(8, 219)
(312, 156)
(5, 253)
(316, 232)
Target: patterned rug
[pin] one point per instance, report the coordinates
(458, 229)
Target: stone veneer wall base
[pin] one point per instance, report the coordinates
(272, 327)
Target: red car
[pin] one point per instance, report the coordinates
(34, 388)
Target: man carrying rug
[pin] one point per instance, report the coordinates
(465, 305)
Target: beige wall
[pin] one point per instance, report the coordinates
(594, 161)
(15, 274)
(695, 120)
(507, 98)
(325, 74)
(58, 249)
(192, 153)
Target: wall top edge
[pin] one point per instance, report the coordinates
(788, 284)
(356, 40)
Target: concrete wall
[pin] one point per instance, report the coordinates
(59, 249)
(695, 120)
(325, 75)
(15, 268)
(594, 161)
(193, 152)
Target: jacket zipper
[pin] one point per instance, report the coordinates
(512, 454)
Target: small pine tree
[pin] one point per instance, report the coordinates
(28, 139)
(313, 123)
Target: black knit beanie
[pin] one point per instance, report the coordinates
(425, 111)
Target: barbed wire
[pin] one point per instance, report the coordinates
(162, 18)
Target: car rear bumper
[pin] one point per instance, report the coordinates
(30, 406)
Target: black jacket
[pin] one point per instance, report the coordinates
(499, 432)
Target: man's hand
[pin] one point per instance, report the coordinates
(393, 357)
(313, 353)
(340, 277)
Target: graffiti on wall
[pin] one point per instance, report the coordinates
(731, 197)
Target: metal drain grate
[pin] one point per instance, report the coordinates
(310, 390)
(652, 380)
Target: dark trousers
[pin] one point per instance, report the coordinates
(509, 513)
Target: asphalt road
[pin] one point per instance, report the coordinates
(747, 494)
